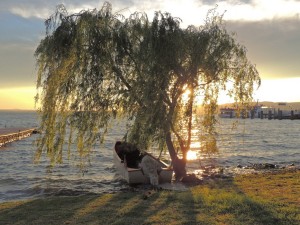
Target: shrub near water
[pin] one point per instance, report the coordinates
(252, 199)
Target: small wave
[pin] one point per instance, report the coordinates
(111, 169)
(8, 181)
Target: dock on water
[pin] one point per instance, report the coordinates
(8, 135)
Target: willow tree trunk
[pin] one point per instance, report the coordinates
(178, 164)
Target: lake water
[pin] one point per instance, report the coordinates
(254, 141)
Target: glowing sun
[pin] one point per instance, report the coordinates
(191, 155)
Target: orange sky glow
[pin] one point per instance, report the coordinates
(275, 90)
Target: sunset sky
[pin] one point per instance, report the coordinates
(270, 30)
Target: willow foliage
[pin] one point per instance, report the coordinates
(94, 66)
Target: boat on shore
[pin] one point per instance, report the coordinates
(136, 175)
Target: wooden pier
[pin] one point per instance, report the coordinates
(279, 114)
(8, 135)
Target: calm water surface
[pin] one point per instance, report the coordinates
(254, 141)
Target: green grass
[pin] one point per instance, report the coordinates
(249, 199)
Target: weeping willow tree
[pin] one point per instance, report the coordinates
(94, 66)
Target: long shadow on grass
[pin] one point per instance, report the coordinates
(218, 202)
(222, 202)
(54, 210)
(163, 207)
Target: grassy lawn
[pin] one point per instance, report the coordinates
(249, 199)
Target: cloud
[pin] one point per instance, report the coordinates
(272, 44)
(253, 10)
(18, 40)
(43, 8)
(257, 10)
(17, 65)
(30, 8)
(279, 90)
(15, 28)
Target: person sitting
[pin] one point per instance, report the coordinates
(128, 153)
(151, 169)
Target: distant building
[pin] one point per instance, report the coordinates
(227, 113)
(281, 103)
